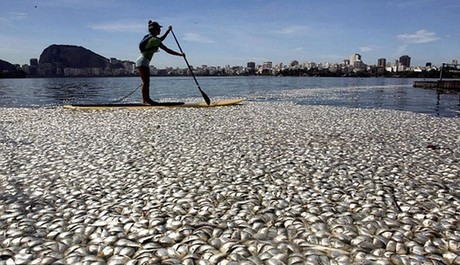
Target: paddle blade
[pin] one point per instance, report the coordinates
(206, 98)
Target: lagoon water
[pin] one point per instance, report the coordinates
(380, 93)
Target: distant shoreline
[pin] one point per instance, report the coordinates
(363, 75)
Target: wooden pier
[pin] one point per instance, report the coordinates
(441, 84)
(449, 84)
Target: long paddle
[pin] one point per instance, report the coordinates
(206, 98)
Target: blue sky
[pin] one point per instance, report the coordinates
(222, 32)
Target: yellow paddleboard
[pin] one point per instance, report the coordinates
(220, 103)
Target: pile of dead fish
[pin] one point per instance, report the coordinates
(259, 183)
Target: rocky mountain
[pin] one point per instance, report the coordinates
(72, 56)
(8, 70)
(6, 66)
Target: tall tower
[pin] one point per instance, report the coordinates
(355, 60)
(382, 62)
(34, 62)
(355, 57)
(405, 60)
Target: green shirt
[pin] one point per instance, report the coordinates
(152, 47)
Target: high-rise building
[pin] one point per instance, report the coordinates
(34, 62)
(404, 60)
(355, 61)
(382, 62)
(267, 65)
(355, 57)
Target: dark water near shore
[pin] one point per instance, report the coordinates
(382, 93)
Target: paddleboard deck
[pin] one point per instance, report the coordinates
(220, 103)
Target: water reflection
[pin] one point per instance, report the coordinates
(449, 97)
(405, 98)
(386, 93)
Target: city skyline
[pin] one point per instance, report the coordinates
(72, 65)
(224, 33)
(354, 63)
(403, 60)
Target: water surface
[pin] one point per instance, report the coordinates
(383, 93)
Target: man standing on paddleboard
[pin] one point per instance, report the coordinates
(148, 46)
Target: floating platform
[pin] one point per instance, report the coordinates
(220, 103)
(441, 84)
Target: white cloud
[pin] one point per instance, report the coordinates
(402, 48)
(12, 16)
(120, 26)
(292, 30)
(195, 37)
(421, 36)
(18, 15)
(366, 49)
